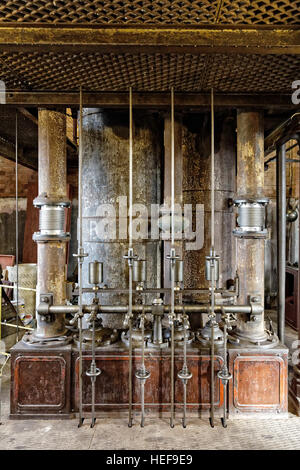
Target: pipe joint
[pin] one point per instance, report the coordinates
(51, 219)
(251, 220)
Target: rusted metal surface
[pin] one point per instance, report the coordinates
(259, 382)
(51, 279)
(105, 180)
(155, 100)
(52, 154)
(250, 183)
(111, 386)
(178, 164)
(40, 384)
(53, 184)
(186, 39)
(250, 151)
(151, 12)
(196, 190)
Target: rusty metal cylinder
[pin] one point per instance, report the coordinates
(105, 176)
(250, 252)
(52, 178)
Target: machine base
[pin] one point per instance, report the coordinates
(260, 380)
(45, 382)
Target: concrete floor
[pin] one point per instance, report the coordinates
(113, 434)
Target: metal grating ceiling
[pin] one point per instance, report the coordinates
(192, 12)
(149, 72)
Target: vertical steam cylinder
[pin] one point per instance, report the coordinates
(196, 190)
(105, 177)
(250, 252)
(52, 178)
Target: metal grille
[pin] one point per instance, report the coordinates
(149, 72)
(151, 11)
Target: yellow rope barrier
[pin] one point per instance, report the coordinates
(15, 287)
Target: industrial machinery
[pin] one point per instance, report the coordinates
(139, 352)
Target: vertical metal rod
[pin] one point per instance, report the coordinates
(172, 258)
(212, 254)
(80, 259)
(143, 369)
(93, 378)
(172, 374)
(130, 350)
(226, 382)
(281, 238)
(212, 357)
(17, 227)
(130, 166)
(184, 381)
(212, 189)
(0, 351)
(130, 253)
(172, 169)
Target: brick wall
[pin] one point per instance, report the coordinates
(8, 178)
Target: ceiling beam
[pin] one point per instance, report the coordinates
(8, 151)
(241, 39)
(146, 100)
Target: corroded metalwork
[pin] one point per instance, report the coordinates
(179, 12)
(232, 73)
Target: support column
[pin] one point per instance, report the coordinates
(250, 251)
(52, 179)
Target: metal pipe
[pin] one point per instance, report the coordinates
(184, 375)
(172, 258)
(225, 386)
(118, 309)
(142, 374)
(212, 175)
(232, 293)
(281, 237)
(250, 251)
(93, 372)
(212, 261)
(212, 350)
(224, 375)
(17, 226)
(143, 368)
(52, 176)
(80, 258)
(130, 257)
